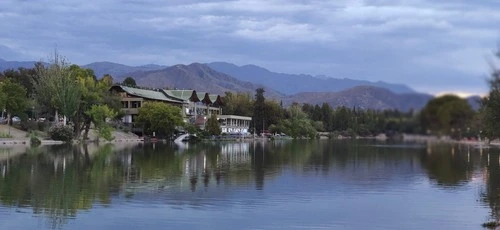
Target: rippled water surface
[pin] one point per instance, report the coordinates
(255, 185)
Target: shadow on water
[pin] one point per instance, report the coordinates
(57, 182)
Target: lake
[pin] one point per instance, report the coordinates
(303, 184)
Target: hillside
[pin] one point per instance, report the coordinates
(366, 97)
(199, 77)
(296, 83)
(119, 71)
(5, 65)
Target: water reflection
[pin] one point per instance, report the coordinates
(58, 182)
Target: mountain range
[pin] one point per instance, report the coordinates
(297, 83)
(119, 70)
(199, 77)
(220, 77)
(5, 65)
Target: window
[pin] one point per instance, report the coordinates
(136, 104)
(125, 104)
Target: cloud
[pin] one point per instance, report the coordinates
(417, 42)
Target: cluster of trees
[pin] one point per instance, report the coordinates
(60, 91)
(306, 120)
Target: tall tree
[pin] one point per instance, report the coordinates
(57, 88)
(490, 106)
(259, 112)
(213, 126)
(129, 81)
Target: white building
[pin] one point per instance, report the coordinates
(232, 124)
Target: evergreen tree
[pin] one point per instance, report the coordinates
(213, 127)
(259, 112)
(129, 81)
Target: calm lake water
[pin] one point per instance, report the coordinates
(261, 185)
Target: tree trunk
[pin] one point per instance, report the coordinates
(87, 128)
(77, 129)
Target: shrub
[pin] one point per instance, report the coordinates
(34, 140)
(60, 132)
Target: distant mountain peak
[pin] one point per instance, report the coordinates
(2, 60)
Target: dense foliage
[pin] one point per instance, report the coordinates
(490, 109)
(61, 132)
(129, 81)
(160, 118)
(213, 127)
(447, 114)
(57, 92)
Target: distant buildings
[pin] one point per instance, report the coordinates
(196, 107)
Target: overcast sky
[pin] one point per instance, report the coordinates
(432, 46)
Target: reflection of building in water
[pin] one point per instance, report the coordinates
(235, 153)
(204, 167)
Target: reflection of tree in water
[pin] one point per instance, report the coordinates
(449, 165)
(60, 181)
(490, 193)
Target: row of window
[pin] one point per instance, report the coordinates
(133, 104)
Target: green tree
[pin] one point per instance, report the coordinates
(14, 97)
(259, 113)
(298, 124)
(57, 88)
(99, 114)
(447, 114)
(129, 81)
(490, 107)
(237, 104)
(160, 117)
(212, 126)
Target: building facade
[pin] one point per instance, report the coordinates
(196, 107)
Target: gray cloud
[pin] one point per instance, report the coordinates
(431, 46)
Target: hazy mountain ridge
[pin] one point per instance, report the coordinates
(198, 77)
(296, 83)
(119, 70)
(5, 65)
(364, 97)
